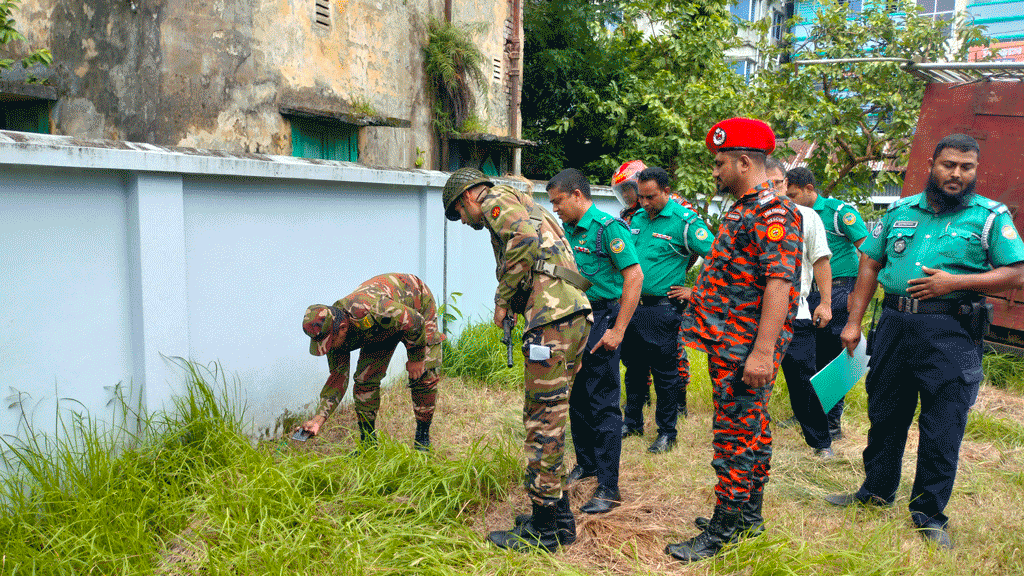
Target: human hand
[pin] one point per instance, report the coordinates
(850, 337)
(937, 283)
(822, 315)
(415, 369)
(610, 340)
(757, 371)
(680, 293)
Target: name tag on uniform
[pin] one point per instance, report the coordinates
(732, 216)
(662, 236)
(634, 230)
(904, 224)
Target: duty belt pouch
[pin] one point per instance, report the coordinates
(978, 322)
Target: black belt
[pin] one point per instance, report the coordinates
(652, 300)
(602, 304)
(840, 281)
(914, 306)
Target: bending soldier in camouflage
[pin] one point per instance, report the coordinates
(538, 278)
(384, 311)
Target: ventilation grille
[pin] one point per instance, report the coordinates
(496, 73)
(322, 14)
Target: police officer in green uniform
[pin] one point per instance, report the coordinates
(936, 255)
(668, 238)
(605, 255)
(845, 231)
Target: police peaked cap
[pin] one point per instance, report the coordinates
(744, 134)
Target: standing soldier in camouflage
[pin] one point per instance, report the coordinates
(605, 255)
(537, 278)
(384, 311)
(741, 313)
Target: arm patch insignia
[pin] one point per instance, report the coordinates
(495, 212)
(776, 231)
(617, 245)
(849, 218)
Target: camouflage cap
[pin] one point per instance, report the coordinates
(460, 181)
(319, 323)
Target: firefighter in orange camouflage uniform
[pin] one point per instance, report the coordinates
(740, 314)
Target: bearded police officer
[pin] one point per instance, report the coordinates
(845, 231)
(668, 239)
(537, 277)
(604, 252)
(936, 254)
(384, 311)
(740, 313)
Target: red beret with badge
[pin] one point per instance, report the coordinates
(740, 134)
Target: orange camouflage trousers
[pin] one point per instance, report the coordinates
(742, 436)
(553, 355)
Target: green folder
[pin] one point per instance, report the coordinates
(836, 379)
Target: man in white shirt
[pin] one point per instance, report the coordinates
(799, 364)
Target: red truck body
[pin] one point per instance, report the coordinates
(992, 111)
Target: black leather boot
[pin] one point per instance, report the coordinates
(751, 522)
(719, 532)
(422, 442)
(547, 528)
(367, 430)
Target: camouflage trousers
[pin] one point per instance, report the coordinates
(742, 436)
(553, 355)
(370, 370)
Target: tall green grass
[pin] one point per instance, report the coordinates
(1005, 371)
(479, 355)
(190, 494)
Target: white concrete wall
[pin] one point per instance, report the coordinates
(115, 256)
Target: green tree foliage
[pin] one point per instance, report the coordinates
(9, 36)
(645, 80)
(856, 113)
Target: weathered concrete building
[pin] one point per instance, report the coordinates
(329, 79)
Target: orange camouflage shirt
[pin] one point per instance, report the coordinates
(760, 237)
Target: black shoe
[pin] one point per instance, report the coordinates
(751, 522)
(577, 474)
(422, 441)
(721, 529)
(936, 533)
(836, 433)
(824, 453)
(627, 432)
(851, 499)
(662, 444)
(367, 431)
(604, 500)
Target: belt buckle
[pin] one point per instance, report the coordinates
(908, 305)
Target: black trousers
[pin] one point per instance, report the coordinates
(932, 357)
(798, 365)
(650, 345)
(827, 343)
(594, 406)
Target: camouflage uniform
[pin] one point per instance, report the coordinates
(384, 311)
(760, 238)
(557, 326)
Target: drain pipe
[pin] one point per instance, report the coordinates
(515, 57)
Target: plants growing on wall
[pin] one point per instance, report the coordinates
(452, 63)
(10, 35)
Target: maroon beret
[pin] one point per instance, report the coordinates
(740, 134)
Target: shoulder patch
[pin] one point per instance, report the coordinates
(617, 245)
(877, 230)
(1009, 232)
(776, 231)
(849, 218)
(495, 212)
(775, 210)
(701, 234)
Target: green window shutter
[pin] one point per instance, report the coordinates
(32, 116)
(325, 140)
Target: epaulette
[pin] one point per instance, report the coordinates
(903, 201)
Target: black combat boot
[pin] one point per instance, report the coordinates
(367, 431)
(751, 522)
(547, 528)
(422, 441)
(720, 531)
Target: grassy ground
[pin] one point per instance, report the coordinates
(194, 497)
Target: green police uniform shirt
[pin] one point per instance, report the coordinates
(519, 242)
(970, 240)
(843, 228)
(665, 245)
(603, 264)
